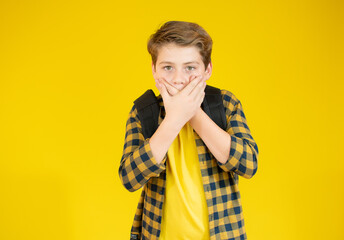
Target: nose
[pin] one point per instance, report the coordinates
(179, 78)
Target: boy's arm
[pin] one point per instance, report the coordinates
(234, 149)
(145, 158)
(138, 164)
(163, 138)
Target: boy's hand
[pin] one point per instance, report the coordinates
(170, 88)
(182, 105)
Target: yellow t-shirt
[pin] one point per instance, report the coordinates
(185, 212)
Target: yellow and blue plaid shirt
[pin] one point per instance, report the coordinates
(138, 168)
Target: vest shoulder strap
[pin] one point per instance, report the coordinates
(148, 112)
(212, 105)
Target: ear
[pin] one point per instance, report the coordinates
(208, 71)
(153, 70)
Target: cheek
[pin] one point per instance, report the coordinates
(163, 75)
(198, 71)
(166, 76)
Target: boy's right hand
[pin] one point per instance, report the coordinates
(182, 106)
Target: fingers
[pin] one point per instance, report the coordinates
(198, 89)
(193, 90)
(200, 98)
(170, 88)
(162, 88)
(198, 92)
(191, 86)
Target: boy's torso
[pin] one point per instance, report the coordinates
(221, 193)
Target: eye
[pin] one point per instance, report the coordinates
(190, 68)
(169, 68)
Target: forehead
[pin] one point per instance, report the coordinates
(172, 52)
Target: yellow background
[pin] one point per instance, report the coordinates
(70, 70)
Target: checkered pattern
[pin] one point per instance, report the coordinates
(138, 168)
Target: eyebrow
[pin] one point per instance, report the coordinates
(173, 63)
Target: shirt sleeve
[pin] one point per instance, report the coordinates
(243, 153)
(138, 164)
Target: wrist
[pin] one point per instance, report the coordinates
(174, 123)
(196, 116)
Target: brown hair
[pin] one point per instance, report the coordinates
(183, 34)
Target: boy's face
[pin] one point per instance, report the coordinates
(178, 65)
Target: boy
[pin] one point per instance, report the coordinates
(189, 168)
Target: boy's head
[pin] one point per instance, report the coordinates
(180, 50)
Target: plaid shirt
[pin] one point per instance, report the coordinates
(138, 168)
